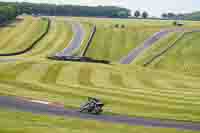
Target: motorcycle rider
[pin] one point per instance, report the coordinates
(94, 105)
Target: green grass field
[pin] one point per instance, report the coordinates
(60, 34)
(158, 91)
(125, 89)
(112, 43)
(156, 48)
(184, 56)
(19, 122)
(22, 35)
(58, 37)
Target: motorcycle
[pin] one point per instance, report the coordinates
(93, 105)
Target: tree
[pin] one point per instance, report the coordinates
(137, 14)
(145, 14)
(171, 15)
(116, 25)
(7, 12)
(164, 15)
(180, 16)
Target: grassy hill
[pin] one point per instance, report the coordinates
(184, 56)
(58, 37)
(112, 43)
(125, 89)
(162, 90)
(21, 35)
(157, 47)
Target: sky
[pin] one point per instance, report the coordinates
(154, 7)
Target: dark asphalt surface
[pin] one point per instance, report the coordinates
(39, 108)
(77, 39)
(147, 43)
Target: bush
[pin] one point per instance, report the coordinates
(116, 25)
(174, 23)
(122, 26)
(177, 23)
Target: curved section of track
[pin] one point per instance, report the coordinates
(42, 107)
(150, 41)
(76, 41)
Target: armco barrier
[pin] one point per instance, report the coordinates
(89, 40)
(77, 59)
(33, 44)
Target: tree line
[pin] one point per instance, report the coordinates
(171, 15)
(7, 12)
(179, 16)
(70, 10)
(139, 14)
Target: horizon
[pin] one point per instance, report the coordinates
(178, 6)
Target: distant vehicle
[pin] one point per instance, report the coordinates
(178, 23)
(93, 105)
(77, 59)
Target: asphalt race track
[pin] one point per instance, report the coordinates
(147, 43)
(40, 107)
(78, 37)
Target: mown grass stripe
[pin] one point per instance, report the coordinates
(65, 35)
(27, 48)
(117, 79)
(52, 73)
(15, 31)
(14, 71)
(39, 32)
(84, 75)
(48, 41)
(33, 73)
(17, 38)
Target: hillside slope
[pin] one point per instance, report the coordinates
(22, 35)
(112, 41)
(183, 57)
(125, 89)
(58, 37)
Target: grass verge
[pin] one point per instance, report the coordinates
(18, 122)
(125, 89)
